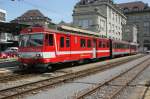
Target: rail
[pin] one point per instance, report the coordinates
(29, 87)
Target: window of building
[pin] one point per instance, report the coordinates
(126, 9)
(113, 16)
(146, 24)
(146, 41)
(85, 24)
(135, 8)
(109, 13)
(116, 17)
(62, 42)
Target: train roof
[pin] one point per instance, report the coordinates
(62, 29)
(81, 31)
(125, 42)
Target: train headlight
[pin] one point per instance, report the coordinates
(18, 55)
(38, 55)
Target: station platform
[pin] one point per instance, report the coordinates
(5, 71)
(147, 95)
(7, 66)
(7, 60)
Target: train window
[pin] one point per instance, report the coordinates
(82, 43)
(103, 44)
(89, 43)
(100, 44)
(67, 42)
(50, 39)
(116, 45)
(108, 44)
(62, 42)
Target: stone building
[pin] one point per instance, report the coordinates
(130, 33)
(33, 17)
(102, 16)
(2, 19)
(2, 15)
(5, 37)
(138, 13)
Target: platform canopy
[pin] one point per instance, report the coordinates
(13, 28)
(81, 31)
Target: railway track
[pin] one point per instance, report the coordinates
(5, 61)
(15, 77)
(34, 86)
(144, 94)
(113, 87)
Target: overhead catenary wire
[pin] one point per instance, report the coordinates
(57, 14)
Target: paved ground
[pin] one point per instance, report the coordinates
(7, 67)
(70, 89)
(147, 95)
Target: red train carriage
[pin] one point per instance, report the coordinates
(120, 48)
(133, 48)
(41, 47)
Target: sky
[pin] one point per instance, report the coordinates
(57, 10)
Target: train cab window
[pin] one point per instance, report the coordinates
(67, 42)
(89, 43)
(62, 42)
(50, 38)
(82, 43)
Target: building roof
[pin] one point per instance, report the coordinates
(30, 15)
(74, 29)
(133, 5)
(86, 2)
(33, 13)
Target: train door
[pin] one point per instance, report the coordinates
(49, 46)
(68, 46)
(64, 51)
(94, 48)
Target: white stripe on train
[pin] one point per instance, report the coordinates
(53, 54)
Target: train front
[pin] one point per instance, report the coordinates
(31, 47)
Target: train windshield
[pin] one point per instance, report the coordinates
(32, 40)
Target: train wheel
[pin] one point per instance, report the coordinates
(21, 67)
(49, 67)
(80, 61)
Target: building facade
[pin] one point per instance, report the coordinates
(2, 19)
(6, 39)
(130, 33)
(2, 15)
(33, 17)
(138, 13)
(102, 16)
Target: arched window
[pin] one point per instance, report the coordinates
(126, 9)
(135, 8)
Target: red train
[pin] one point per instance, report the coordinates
(40, 46)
